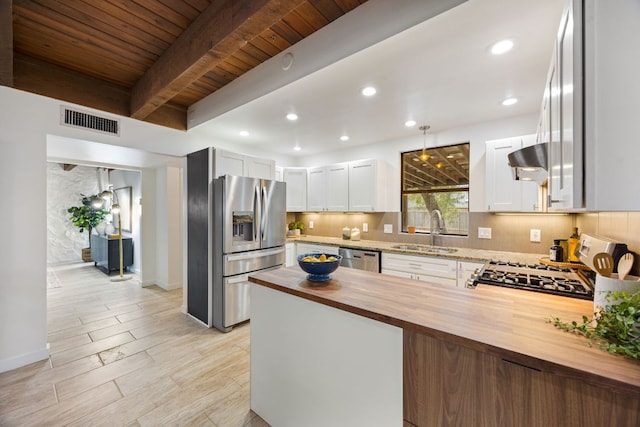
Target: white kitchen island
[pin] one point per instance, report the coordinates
(316, 365)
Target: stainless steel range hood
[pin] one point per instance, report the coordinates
(530, 163)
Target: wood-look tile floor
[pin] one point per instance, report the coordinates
(123, 355)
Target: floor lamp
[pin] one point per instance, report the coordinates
(115, 209)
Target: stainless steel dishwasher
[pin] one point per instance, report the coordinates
(359, 259)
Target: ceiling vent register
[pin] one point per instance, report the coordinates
(80, 119)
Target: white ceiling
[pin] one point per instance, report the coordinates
(439, 73)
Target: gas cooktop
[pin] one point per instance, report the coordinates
(535, 277)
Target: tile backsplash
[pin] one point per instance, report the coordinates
(509, 232)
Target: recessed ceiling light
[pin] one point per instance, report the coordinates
(369, 91)
(244, 133)
(292, 116)
(344, 138)
(410, 123)
(297, 148)
(509, 101)
(501, 47)
(450, 156)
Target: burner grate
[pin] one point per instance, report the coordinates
(535, 277)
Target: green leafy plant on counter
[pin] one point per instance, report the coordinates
(615, 329)
(296, 225)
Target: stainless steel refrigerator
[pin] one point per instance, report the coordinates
(249, 228)
(236, 226)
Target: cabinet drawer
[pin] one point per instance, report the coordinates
(437, 267)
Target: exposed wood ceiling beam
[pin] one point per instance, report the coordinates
(6, 43)
(222, 29)
(44, 78)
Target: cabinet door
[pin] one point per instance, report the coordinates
(337, 187)
(316, 189)
(228, 163)
(259, 168)
(566, 143)
(504, 194)
(290, 254)
(362, 186)
(296, 180)
(465, 270)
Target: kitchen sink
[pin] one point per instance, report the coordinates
(426, 249)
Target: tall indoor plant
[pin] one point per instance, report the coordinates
(86, 216)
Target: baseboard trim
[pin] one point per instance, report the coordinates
(24, 359)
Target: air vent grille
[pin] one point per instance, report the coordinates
(80, 119)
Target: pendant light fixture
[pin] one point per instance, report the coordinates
(424, 156)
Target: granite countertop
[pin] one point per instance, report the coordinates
(504, 322)
(461, 254)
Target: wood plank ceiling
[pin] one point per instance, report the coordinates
(150, 59)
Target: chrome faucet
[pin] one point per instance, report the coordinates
(439, 224)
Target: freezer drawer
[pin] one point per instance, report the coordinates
(246, 262)
(237, 302)
(236, 299)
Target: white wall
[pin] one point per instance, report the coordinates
(29, 127)
(169, 241)
(23, 166)
(64, 190)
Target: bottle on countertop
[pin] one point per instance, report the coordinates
(556, 254)
(574, 241)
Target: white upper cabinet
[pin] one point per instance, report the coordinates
(593, 109)
(328, 188)
(337, 187)
(229, 163)
(564, 135)
(296, 179)
(503, 192)
(256, 167)
(367, 186)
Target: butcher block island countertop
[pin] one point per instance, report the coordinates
(492, 322)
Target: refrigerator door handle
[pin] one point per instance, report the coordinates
(256, 212)
(252, 255)
(265, 214)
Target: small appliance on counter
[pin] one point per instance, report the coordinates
(355, 234)
(346, 233)
(591, 244)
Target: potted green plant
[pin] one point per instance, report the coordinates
(295, 227)
(86, 216)
(615, 328)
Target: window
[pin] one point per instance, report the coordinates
(436, 178)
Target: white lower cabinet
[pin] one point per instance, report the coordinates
(428, 269)
(465, 270)
(290, 254)
(308, 248)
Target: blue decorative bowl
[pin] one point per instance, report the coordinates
(319, 271)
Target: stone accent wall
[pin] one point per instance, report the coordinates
(64, 189)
